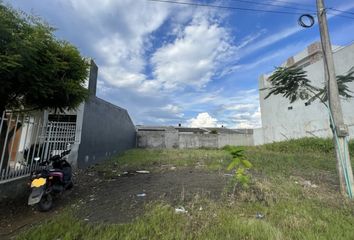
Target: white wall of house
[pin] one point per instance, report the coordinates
(72, 158)
(79, 112)
(282, 120)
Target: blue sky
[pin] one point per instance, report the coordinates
(169, 64)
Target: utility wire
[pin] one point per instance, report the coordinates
(341, 11)
(290, 7)
(294, 3)
(273, 5)
(223, 7)
(236, 8)
(296, 8)
(337, 15)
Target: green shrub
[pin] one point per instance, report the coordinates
(239, 164)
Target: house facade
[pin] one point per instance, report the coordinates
(94, 131)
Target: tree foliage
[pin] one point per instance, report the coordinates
(293, 84)
(37, 70)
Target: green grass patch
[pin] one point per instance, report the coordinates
(291, 210)
(303, 146)
(307, 157)
(286, 219)
(159, 159)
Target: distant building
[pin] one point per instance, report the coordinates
(282, 120)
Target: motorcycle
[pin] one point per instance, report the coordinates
(51, 181)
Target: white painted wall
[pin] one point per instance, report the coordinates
(279, 123)
(72, 157)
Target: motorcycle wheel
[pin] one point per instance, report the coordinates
(70, 185)
(46, 203)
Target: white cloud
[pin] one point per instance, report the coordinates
(278, 56)
(164, 114)
(172, 108)
(248, 119)
(175, 110)
(250, 38)
(123, 48)
(240, 110)
(273, 38)
(241, 106)
(203, 120)
(192, 59)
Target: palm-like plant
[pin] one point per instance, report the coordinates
(293, 84)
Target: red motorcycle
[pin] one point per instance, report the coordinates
(48, 183)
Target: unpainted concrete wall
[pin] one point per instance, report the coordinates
(198, 140)
(106, 130)
(174, 139)
(171, 138)
(235, 140)
(151, 139)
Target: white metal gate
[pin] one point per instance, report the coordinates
(24, 137)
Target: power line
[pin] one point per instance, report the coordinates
(223, 7)
(236, 8)
(294, 8)
(337, 15)
(341, 11)
(273, 5)
(294, 3)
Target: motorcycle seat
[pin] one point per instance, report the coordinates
(55, 170)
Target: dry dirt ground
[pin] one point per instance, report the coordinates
(116, 200)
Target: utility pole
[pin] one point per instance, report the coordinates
(340, 130)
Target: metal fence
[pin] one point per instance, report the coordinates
(24, 137)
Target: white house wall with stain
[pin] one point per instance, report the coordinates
(282, 120)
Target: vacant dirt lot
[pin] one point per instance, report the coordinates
(116, 200)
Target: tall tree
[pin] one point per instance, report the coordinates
(37, 71)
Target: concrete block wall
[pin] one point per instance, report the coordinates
(151, 139)
(198, 140)
(235, 139)
(171, 138)
(174, 139)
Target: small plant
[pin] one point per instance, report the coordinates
(239, 165)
